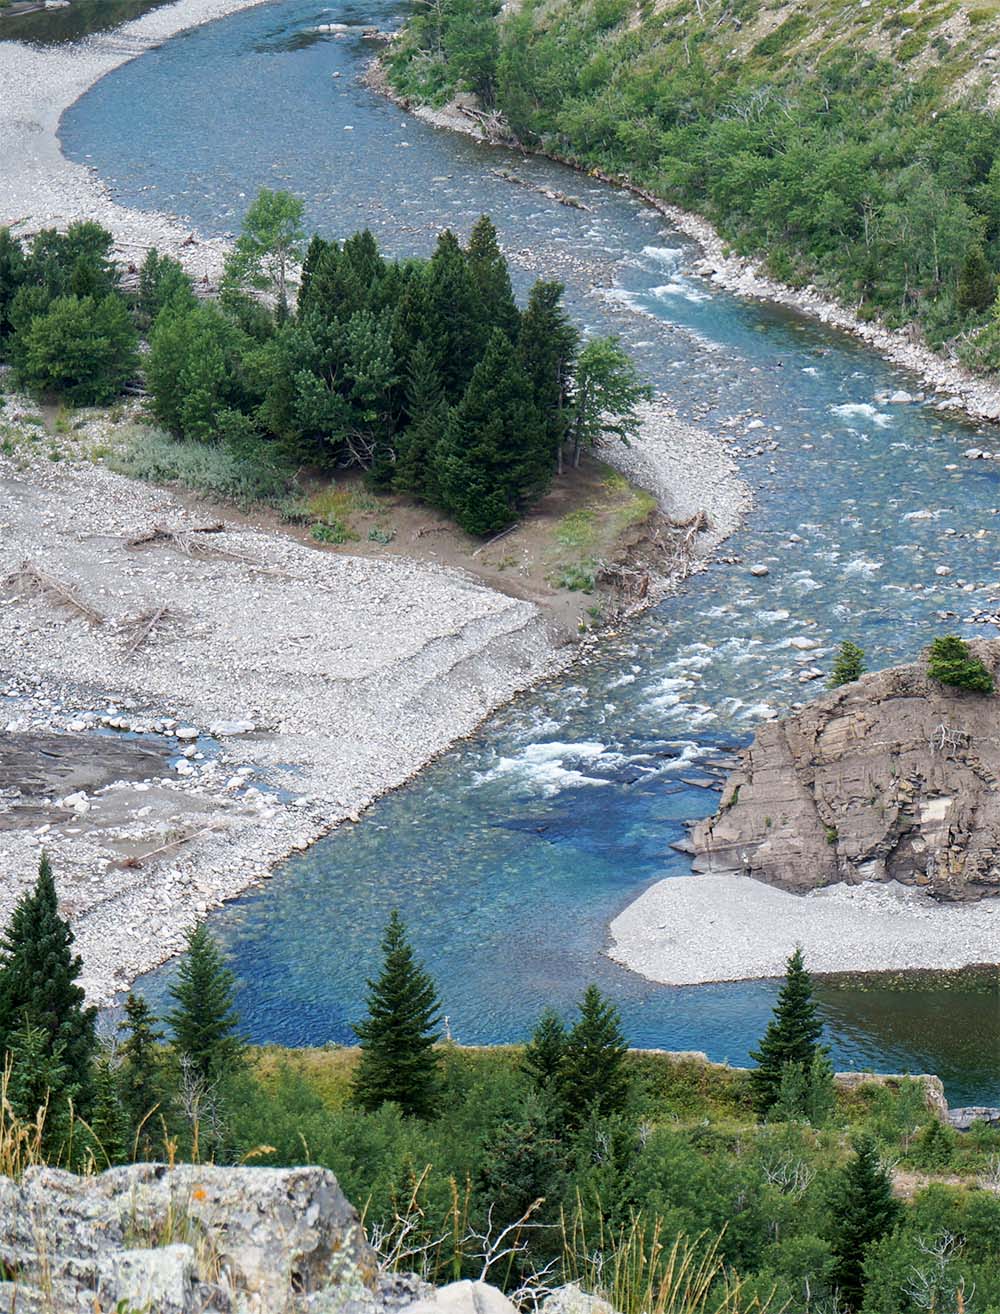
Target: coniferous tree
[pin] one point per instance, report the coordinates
(455, 325)
(416, 446)
(38, 989)
(977, 283)
(204, 1021)
(108, 1121)
(863, 1210)
(398, 1062)
(40, 1086)
(595, 1082)
(791, 1035)
(848, 666)
(950, 661)
(545, 1054)
(314, 253)
(140, 1067)
(492, 278)
(492, 456)
(547, 345)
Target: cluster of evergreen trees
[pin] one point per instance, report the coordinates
(560, 1129)
(424, 373)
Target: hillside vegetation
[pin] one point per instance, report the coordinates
(853, 145)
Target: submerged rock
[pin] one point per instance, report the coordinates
(893, 777)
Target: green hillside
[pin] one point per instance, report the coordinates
(852, 145)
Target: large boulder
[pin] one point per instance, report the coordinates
(176, 1240)
(893, 777)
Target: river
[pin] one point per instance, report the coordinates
(511, 854)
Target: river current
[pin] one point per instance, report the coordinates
(510, 855)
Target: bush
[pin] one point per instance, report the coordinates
(211, 471)
(87, 350)
(950, 662)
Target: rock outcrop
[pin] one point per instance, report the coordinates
(174, 1240)
(893, 777)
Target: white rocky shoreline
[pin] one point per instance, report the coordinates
(692, 930)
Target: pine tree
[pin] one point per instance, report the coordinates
(398, 1062)
(455, 325)
(547, 346)
(595, 1082)
(38, 975)
(950, 661)
(416, 446)
(141, 1067)
(863, 1210)
(977, 283)
(848, 666)
(492, 278)
(491, 459)
(41, 1086)
(791, 1036)
(314, 253)
(204, 1022)
(545, 1054)
(108, 1122)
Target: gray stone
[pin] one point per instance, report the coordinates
(221, 729)
(571, 1299)
(464, 1298)
(193, 1237)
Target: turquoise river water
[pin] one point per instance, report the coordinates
(510, 855)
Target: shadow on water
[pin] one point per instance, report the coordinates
(510, 855)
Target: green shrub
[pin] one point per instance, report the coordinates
(154, 456)
(950, 662)
(82, 348)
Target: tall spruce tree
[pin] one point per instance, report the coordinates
(204, 1021)
(848, 665)
(108, 1121)
(141, 1067)
(453, 315)
(493, 457)
(547, 347)
(863, 1209)
(545, 1054)
(416, 446)
(398, 1062)
(39, 991)
(492, 278)
(595, 1081)
(792, 1035)
(314, 254)
(41, 1087)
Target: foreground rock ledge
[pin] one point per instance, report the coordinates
(891, 778)
(181, 1239)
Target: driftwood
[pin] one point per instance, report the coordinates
(30, 579)
(573, 202)
(496, 538)
(143, 626)
(138, 859)
(187, 541)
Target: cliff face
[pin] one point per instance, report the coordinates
(893, 777)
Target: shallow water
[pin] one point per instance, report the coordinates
(510, 855)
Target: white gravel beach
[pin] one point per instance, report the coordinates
(696, 929)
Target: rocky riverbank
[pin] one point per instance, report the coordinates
(958, 388)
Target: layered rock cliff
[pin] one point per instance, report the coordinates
(894, 777)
